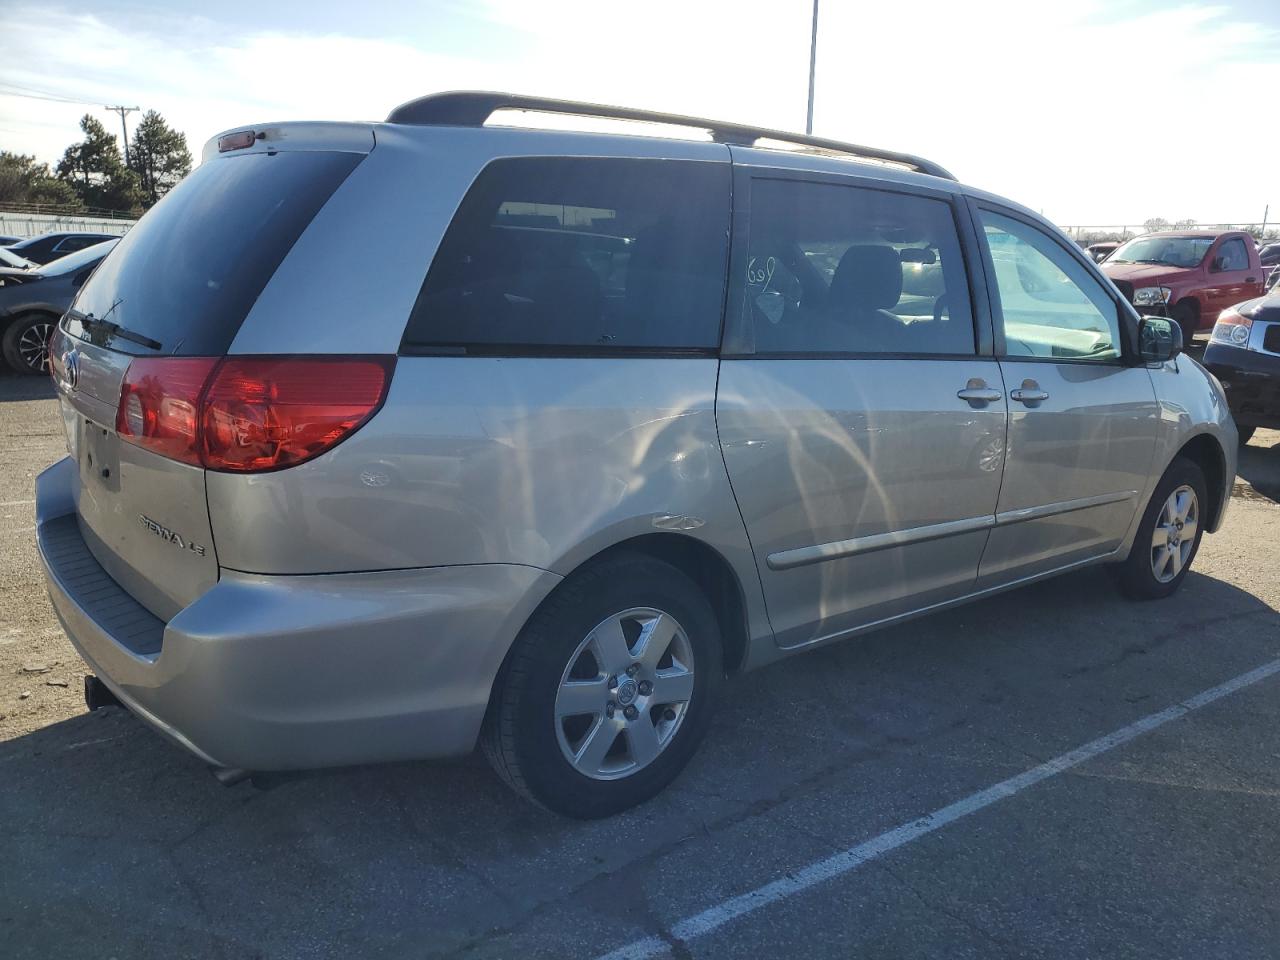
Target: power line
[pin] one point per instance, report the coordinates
(31, 93)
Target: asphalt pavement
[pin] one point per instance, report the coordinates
(1054, 772)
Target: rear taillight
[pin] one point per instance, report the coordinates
(248, 414)
(160, 405)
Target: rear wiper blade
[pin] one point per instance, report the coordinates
(112, 329)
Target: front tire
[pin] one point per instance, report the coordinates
(1168, 537)
(26, 343)
(1187, 315)
(608, 689)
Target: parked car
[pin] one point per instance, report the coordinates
(50, 246)
(608, 451)
(5, 240)
(10, 260)
(1190, 275)
(1269, 256)
(1100, 251)
(1244, 353)
(33, 298)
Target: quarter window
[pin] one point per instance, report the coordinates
(833, 269)
(578, 253)
(1049, 303)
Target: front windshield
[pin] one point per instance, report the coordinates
(74, 261)
(1171, 251)
(10, 259)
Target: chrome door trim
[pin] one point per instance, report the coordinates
(838, 549)
(803, 556)
(1022, 514)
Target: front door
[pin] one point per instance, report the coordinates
(862, 431)
(1231, 278)
(1082, 422)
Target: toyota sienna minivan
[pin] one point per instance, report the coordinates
(583, 425)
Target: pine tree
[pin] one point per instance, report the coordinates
(159, 156)
(96, 172)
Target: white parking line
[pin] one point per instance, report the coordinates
(845, 861)
(15, 503)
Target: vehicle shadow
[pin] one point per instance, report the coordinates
(15, 386)
(1258, 469)
(115, 842)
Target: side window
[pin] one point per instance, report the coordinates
(580, 253)
(1050, 304)
(1232, 255)
(72, 244)
(832, 269)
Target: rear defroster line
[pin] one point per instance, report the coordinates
(846, 861)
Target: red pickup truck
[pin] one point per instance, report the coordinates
(1190, 274)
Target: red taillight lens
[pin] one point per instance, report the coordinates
(266, 413)
(247, 414)
(160, 405)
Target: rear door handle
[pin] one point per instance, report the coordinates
(977, 393)
(1029, 393)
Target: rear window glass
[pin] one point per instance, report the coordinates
(188, 273)
(580, 255)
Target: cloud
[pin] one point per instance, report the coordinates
(1092, 111)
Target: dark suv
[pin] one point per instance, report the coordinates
(1244, 353)
(50, 246)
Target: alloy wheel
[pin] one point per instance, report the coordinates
(1174, 536)
(33, 345)
(624, 693)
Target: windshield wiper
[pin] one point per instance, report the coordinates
(112, 329)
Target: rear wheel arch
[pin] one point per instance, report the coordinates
(1206, 452)
(702, 564)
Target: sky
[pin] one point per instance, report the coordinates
(1092, 111)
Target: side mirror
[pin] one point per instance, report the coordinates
(1159, 339)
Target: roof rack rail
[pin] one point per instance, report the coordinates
(471, 108)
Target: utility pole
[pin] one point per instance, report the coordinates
(813, 61)
(125, 130)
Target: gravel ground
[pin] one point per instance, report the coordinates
(115, 843)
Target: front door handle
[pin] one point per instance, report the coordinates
(1251, 280)
(1029, 393)
(978, 394)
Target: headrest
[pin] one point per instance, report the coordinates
(869, 277)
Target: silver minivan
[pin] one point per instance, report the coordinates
(386, 439)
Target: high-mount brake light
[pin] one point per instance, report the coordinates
(248, 414)
(236, 141)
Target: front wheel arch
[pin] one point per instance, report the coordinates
(1205, 451)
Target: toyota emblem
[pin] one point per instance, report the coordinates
(71, 368)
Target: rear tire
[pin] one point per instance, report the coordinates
(545, 733)
(1246, 434)
(1163, 549)
(26, 343)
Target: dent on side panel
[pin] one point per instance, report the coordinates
(539, 461)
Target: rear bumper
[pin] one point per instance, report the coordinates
(295, 672)
(1252, 383)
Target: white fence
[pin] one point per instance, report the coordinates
(34, 224)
